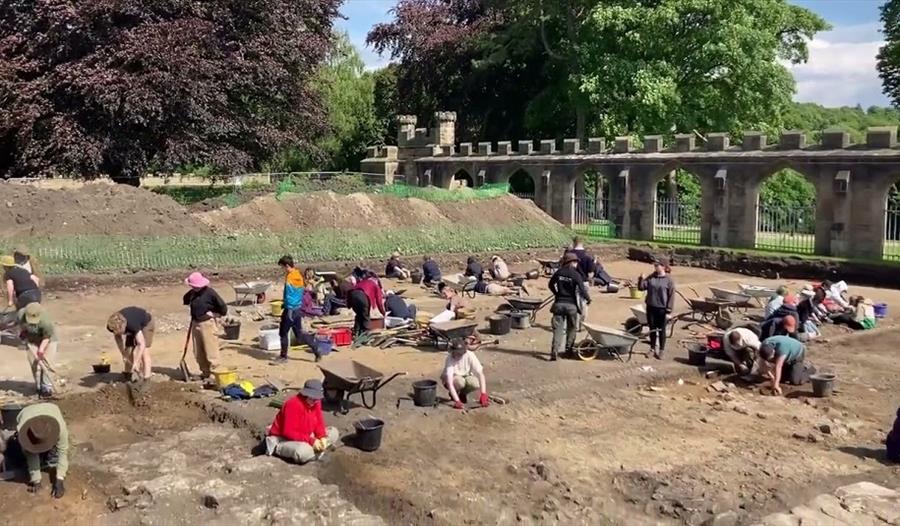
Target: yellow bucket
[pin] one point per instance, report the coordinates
(277, 307)
(636, 293)
(225, 377)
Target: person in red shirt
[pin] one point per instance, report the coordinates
(298, 433)
(362, 298)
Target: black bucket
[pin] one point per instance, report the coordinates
(9, 413)
(415, 276)
(500, 324)
(232, 331)
(822, 384)
(368, 434)
(425, 393)
(697, 355)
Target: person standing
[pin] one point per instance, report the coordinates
(22, 287)
(205, 306)
(133, 329)
(660, 299)
(41, 344)
(44, 439)
(585, 268)
(291, 312)
(567, 286)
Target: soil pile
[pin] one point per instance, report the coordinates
(320, 210)
(93, 209)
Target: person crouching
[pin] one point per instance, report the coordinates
(463, 374)
(298, 433)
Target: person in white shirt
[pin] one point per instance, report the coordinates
(737, 343)
(499, 271)
(775, 302)
(464, 374)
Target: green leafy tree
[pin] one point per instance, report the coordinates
(889, 55)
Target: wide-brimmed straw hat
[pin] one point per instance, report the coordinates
(38, 434)
(7, 261)
(33, 313)
(313, 390)
(196, 281)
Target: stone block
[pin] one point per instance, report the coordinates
(780, 519)
(753, 140)
(834, 139)
(685, 142)
(881, 137)
(389, 152)
(484, 149)
(717, 142)
(811, 517)
(504, 148)
(371, 152)
(865, 489)
(831, 506)
(653, 143)
(448, 150)
(596, 145)
(623, 144)
(571, 146)
(792, 140)
(548, 146)
(465, 148)
(526, 147)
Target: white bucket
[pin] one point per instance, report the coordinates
(269, 339)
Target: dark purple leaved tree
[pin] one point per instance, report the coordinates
(119, 87)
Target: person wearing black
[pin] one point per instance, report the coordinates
(431, 273)
(395, 269)
(22, 287)
(585, 268)
(660, 300)
(359, 303)
(396, 307)
(205, 306)
(474, 269)
(569, 292)
(133, 329)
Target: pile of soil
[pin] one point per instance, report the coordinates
(93, 209)
(365, 211)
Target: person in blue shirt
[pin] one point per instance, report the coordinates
(781, 359)
(431, 273)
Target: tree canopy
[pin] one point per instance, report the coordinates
(117, 87)
(574, 67)
(889, 55)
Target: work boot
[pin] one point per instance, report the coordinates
(318, 357)
(553, 357)
(281, 360)
(659, 354)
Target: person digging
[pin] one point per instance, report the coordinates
(463, 374)
(132, 329)
(44, 439)
(298, 433)
(38, 333)
(781, 359)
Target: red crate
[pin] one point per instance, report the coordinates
(342, 336)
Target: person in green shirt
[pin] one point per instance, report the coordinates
(44, 438)
(781, 359)
(39, 335)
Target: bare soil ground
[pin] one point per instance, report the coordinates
(597, 442)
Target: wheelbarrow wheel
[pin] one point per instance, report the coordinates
(633, 326)
(586, 350)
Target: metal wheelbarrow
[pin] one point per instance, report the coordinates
(635, 325)
(529, 305)
(346, 378)
(605, 339)
(444, 332)
(251, 291)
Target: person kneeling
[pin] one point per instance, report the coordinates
(781, 360)
(298, 433)
(464, 374)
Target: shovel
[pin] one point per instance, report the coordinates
(183, 366)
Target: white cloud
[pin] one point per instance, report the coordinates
(841, 68)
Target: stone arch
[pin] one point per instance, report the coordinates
(788, 226)
(891, 247)
(521, 183)
(678, 211)
(461, 178)
(592, 215)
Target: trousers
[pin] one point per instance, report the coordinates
(656, 320)
(565, 327)
(44, 377)
(206, 346)
(291, 320)
(296, 451)
(359, 302)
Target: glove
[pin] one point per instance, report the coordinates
(458, 405)
(34, 487)
(58, 489)
(484, 400)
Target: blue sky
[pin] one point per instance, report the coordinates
(840, 71)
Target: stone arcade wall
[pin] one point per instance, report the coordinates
(851, 180)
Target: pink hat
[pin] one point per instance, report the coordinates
(196, 281)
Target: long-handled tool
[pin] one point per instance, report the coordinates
(182, 365)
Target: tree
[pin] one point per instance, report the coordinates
(603, 67)
(889, 55)
(121, 86)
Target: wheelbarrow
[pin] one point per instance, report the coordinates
(706, 310)
(635, 324)
(605, 339)
(528, 305)
(443, 332)
(738, 300)
(346, 378)
(251, 292)
(548, 266)
(758, 292)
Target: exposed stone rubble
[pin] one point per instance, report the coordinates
(860, 504)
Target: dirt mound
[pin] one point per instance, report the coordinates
(95, 208)
(329, 210)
